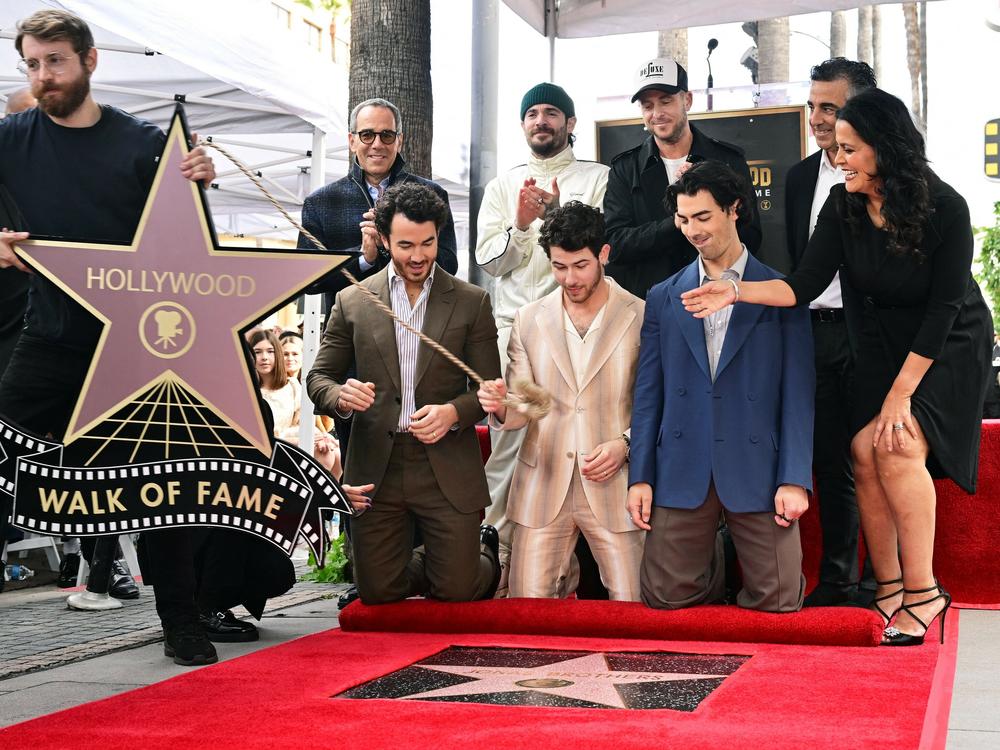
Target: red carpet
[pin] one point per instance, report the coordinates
(782, 697)
(835, 626)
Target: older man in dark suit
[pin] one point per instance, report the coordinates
(414, 458)
(340, 214)
(808, 186)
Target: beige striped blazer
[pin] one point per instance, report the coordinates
(597, 410)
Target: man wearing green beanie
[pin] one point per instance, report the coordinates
(514, 205)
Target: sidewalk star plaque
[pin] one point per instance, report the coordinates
(169, 427)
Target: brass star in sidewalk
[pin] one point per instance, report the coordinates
(587, 678)
(556, 678)
(173, 304)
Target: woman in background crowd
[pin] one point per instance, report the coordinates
(283, 393)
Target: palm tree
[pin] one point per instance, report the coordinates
(838, 34)
(673, 43)
(865, 34)
(914, 16)
(391, 59)
(773, 38)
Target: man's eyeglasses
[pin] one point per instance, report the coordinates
(55, 63)
(368, 136)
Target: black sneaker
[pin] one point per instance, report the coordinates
(188, 645)
(223, 627)
(68, 569)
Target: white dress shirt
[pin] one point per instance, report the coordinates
(717, 323)
(407, 344)
(829, 175)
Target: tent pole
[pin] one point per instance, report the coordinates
(483, 139)
(311, 303)
(551, 18)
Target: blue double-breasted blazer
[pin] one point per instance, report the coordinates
(751, 430)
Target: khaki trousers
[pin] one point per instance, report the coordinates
(683, 565)
(541, 556)
(450, 566)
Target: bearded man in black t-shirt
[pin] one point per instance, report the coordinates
(81, 170)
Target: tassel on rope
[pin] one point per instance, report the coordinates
(526, 398)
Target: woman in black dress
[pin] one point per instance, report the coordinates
(902, 240)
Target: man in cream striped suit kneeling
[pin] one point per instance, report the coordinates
(581, 343)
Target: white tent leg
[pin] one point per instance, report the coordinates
(311, 308)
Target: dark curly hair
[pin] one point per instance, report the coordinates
(884, 123)
(859, 75)
(727, 187)
(572, 227)
(416, 202)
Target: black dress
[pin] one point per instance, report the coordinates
(932, 307)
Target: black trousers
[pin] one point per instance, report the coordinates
(838, 507)
(38, 391)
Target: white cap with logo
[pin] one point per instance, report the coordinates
(662, 74)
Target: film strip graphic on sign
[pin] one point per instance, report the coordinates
(279, 501)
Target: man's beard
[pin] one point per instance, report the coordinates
(73, 94)
(554, 145)
(675, 135)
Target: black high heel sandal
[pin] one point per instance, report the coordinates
(887, 616)
(893, 637)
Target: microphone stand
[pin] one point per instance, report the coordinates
(711, 82)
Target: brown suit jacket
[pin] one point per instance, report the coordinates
(460, 317)
(595, 411)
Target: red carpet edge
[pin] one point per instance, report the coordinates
(819, 626)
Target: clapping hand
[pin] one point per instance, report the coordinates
(533, 202)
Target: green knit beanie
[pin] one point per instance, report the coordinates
(548, 93)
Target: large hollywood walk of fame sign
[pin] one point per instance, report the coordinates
(169, 428)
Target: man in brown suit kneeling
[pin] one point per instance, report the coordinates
(413, 458)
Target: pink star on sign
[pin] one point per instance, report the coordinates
(173, 303)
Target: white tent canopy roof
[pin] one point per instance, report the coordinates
(585, 18)
(223, 57)
(243, 81)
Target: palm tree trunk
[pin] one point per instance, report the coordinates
(673, 43)
(923, 65)
(391, 59)
(838, 34)
(772, 44)
(865, 34)
(877, 41)
(913, 55)
(773, 36)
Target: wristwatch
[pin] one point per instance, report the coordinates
(628, 445)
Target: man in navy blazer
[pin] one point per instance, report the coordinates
(722, 419)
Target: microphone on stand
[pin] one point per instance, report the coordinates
(712, 44)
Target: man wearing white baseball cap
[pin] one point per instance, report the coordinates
(646, 247)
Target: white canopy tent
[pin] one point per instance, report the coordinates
(243, 82)
(573, 19)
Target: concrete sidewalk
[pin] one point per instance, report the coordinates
(54, 658)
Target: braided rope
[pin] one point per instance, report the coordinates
(532, 399)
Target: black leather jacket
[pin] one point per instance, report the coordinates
(646, 247)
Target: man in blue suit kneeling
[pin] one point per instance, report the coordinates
(722, 420)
